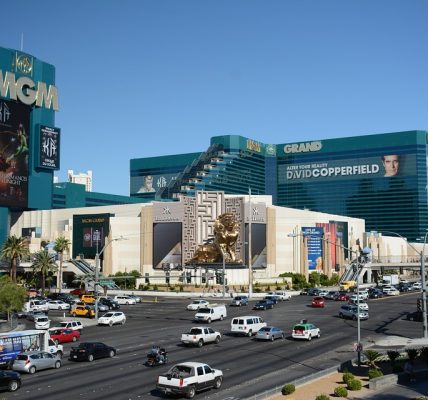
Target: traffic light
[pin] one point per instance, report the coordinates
(219, 277)
(188, 277)
(419, 304)
(167, 277)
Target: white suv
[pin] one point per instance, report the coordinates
(125, 300)
(75, 325)
(112, 317)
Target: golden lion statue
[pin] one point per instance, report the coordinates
(226, 233)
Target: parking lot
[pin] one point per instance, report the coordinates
(248, 366)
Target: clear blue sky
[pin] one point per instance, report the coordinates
(141, 78)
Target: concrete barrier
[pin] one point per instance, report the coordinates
(382, 381)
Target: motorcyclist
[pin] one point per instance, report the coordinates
(157, 354)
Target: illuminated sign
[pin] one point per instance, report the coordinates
(49, 147)
(302, 147)
(254, 146)
(25, 90)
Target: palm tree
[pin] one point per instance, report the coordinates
(61, 244)
(84, 280)
(44, 264)
(14, 248)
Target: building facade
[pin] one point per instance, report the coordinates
(81, 178)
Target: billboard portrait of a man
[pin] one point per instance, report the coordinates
(148, 185)
(391, 163)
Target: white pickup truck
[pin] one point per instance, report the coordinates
(189, 377)
(198, 336)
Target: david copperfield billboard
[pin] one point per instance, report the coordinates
(14, 139)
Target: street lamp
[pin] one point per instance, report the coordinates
(424, 289)
(97, 239)
(359, 347)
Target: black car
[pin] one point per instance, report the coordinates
(90, 351)
(375, 293)
(263, 305)
(313, 292)
(65, 297)
(10, 380)
(111, 304)
(405, 287)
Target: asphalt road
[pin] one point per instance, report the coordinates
(248, 366)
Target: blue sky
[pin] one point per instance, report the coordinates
(140, 78)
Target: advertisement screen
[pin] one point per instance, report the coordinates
(385, 165)
(167, 251)
(89, 234)
(314, 242)
(258, 245)
(49, 147)
(14, 142)
(150, 183)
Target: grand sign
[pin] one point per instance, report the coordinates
(25, 90)
(302, 147)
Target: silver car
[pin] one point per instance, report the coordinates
(269, 333)
(33, 361)
(350, 311)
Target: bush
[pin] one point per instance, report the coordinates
(397, 369)
(347, 376)
(412, 353)
(372, 356)
(322, 397)
(354, 384)
(288, 389)
(375, 373)
(393, 355)
(340, 391)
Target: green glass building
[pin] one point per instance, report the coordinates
(381, 178)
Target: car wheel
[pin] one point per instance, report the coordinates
(91, 357)
(110, 323)
(200, 343)
(282, 336)
(319, 334)
(13, 386)
(111, 353)
(32, 369)
(250, 333)
(59, 308)
(272, 338)
(74, 338)
(354, 317)
(341, 315)
(221, 318)
(73, 314)
(123, 322)
(217, 339)
(310, 337)
(218, 382)
(58, 364)
(59, 353)
(191, 392)
(127, 303)
(209, 320)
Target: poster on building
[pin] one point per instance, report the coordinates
(167, 245)
(49, 149)
(89, 234)
(314, 238)
(258, 245)
(14, 150)
(151, 183)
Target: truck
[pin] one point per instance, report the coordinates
(348, 285)
(15, 342)
(211, 313)
(188, 378)
(198, 336)
(391, 279)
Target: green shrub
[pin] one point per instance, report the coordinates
(372, 356)
(375, 373)
(340, 391)
(397, 369)
(288, 389)
(393, 355)
(347, 376)
(322, 397)
(354, 384)
(412, 353)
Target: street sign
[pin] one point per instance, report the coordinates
(358, 347)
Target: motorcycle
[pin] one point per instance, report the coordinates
(154, 359)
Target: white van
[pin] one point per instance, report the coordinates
(247, 325)
(211, 313)
(35, 305)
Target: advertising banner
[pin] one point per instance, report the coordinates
(384, 165)
(167, 245)
(14, 139)
(49, 149)
(150, 183)
(89, 233)
(314, 238)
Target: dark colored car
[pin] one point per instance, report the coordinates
(318, 302)
(111, 304)
(263, 305)
(342, 297)
(65, 297)
(405, 287)
(89, 351)
(313, 292)
(375, 293)
(273, 298)
(10, 380)
(331, 295)
(78, 292)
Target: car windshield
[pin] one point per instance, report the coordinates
(204, 310)
(264, 329)
(299, 328)
(108, 315)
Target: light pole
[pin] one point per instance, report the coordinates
(359, 347)
(423, 283)
(224, 275)
(250, 266)
(97, 239)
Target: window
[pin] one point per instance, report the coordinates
(200, 371)
(207, 369)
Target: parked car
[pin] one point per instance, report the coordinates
(42, 322)
(33, 361)
(331, 295)
(305, 330)
(417, 286)
(125, 300)
(405, 287)
(83, 311)
(263, 305)
(90, 351)
(197, 304)
(102, 307)
(112, 317)
(239, 301)
(58, 305)
(350, 311)
(390, 291)
(269, 333)
(375, 293)
(75, 325)
(318, 302)
(10, 380)
(109, 302)
(88, 298)
(64, 335)
(364, 294)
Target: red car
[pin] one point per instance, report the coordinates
(77, 292)
(342, 297)
(61, 335)
(318, 302)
